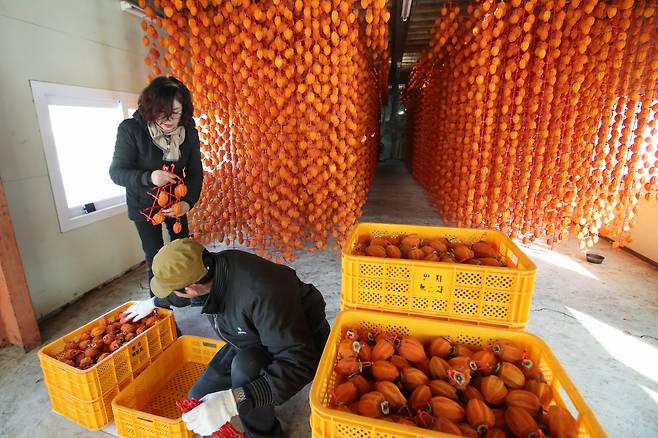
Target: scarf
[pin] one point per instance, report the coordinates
(168, 142)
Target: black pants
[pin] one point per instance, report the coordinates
(232, 368)
(151, 237)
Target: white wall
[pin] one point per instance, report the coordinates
(645, 233)
(88, 43)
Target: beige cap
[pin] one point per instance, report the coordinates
(177, 265)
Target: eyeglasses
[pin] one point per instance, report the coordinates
(163, 117)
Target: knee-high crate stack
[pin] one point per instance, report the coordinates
(473, 305)
(137, 385)
(85, 396)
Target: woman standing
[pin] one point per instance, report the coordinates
(160, 133)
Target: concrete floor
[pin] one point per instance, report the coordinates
(601, 321)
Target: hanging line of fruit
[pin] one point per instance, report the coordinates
(287, 96)
(538, 118)
(166, 196)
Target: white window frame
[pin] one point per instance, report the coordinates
(47, 93)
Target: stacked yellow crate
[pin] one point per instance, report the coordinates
(85, 396)
(473, 305)
(147, 407)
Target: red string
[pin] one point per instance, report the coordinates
(188, 405)
(226, 431)
(420, 405)
(169, 189)
(423, 416)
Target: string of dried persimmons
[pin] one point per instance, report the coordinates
(287, 95)
(538, 117)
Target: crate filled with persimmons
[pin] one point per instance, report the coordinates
(406, 376)
(461, 274)
(85, 369)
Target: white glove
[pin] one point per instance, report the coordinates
(139, 310)
(217, 409)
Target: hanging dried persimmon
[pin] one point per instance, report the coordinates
(538, 118)
(276, 87)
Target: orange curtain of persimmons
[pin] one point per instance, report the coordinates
(538, 117)
(287, 95)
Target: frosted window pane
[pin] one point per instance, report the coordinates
(84, 140)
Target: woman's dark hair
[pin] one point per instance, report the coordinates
(158, 97)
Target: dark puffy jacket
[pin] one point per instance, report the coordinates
(136, 156)
(255, 302)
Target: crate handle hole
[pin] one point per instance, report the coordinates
(209, 345)
(568, 403)
(145, 420)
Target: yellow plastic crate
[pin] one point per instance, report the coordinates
(146, 408)
(331, 423)
(93, 415)
(119, 368)
(452, 291)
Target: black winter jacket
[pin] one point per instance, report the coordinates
(136, 156)
(255, 302)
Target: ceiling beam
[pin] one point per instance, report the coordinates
(416, 32)
(413, 39)
(427, 9)
(398, 31)
(417, 45)
(422, 18)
